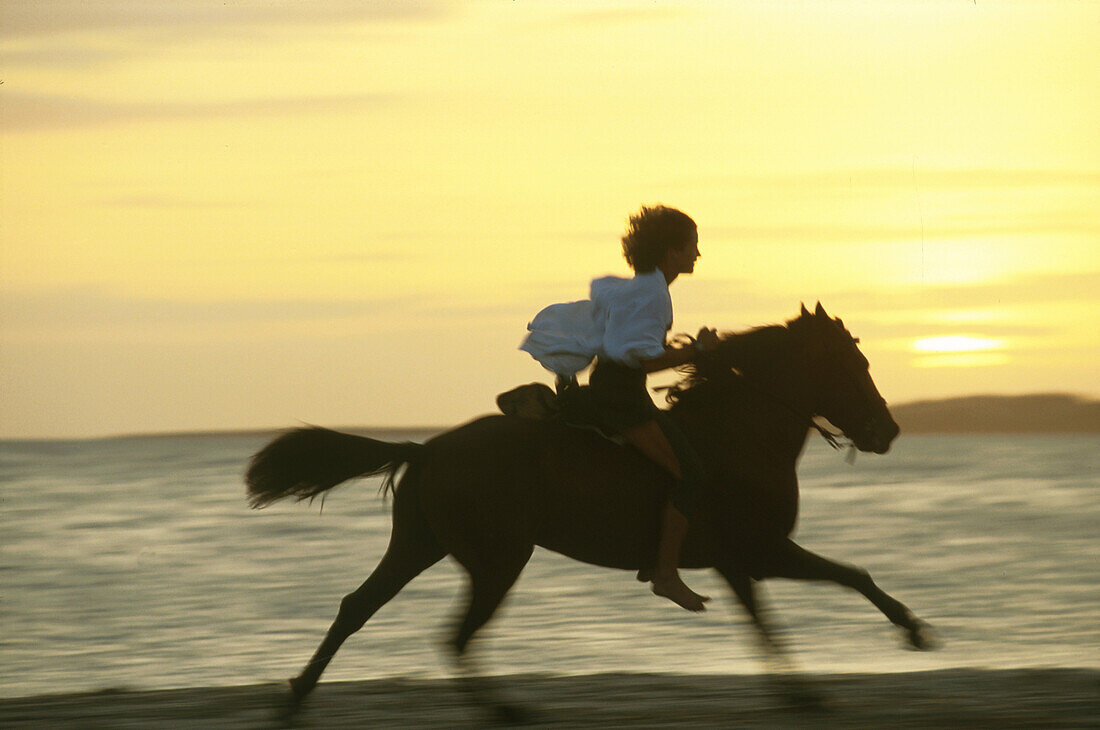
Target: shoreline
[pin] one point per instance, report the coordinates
(1061, 413)
(948, 697)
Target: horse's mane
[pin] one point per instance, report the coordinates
(737, 352)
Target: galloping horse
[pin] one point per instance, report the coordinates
(487, 492)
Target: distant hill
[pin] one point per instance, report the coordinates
(1046, 413)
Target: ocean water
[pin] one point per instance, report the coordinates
(135, 563)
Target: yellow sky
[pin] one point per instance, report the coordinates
(223, 215)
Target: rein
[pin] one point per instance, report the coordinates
(833, 439)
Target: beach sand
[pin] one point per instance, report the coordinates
(949, 698)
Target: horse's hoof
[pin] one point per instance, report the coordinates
(920, 637)
(286, 704)
(799, 694)
(293, 698)
(509, 714)
(801, 697)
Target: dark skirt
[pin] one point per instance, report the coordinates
(619, 397)
(618, 400)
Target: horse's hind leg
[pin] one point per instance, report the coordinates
(412, 550)
(388, 578)
(793, 561)
(490, 580)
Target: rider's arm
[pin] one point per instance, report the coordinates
(675, 356)
(671, 358)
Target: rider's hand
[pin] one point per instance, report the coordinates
(707, 339)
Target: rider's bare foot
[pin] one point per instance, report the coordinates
(674, 589)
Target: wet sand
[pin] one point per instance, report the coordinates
(949, 698)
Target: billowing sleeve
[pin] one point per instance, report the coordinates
(564, 337)
(636, 328)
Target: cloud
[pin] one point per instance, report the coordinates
(1072, 222)
(747, 300)
(83, 309)
(988, 192)
(84, 306)
(71, 34)
(876, 179)
(1023, 290)
(22, 111)
(67, 55)
(30, 18)
(169, 201)
(912, 328)
(624, 15)
(739, 303)
(1029, 289)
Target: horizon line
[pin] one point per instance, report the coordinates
(361, 429)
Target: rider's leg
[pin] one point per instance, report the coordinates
(648, 438)
(666, 574)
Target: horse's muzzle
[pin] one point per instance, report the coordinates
(877, 434)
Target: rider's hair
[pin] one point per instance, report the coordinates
(651, 232)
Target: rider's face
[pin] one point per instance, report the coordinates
(683, 258)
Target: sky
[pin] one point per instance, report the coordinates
(245, 214)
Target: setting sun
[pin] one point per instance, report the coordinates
(957, 343)
(959, 351)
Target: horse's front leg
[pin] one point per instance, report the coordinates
(776, 657)
(795, 562)
(745, 589)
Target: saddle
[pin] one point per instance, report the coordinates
(572, 405)
(534, 401)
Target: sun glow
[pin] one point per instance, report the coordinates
(962, 360)
(957, 343)
(959, 351)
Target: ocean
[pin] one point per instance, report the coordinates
(135, 563)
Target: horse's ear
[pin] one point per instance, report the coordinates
(820, 312)
(805, 312)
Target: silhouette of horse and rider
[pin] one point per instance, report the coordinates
(723, 493)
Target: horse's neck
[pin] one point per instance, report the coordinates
(784, 412)
(767, 405)
(772, 360)
(766, 412)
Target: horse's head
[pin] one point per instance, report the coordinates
(845, 393)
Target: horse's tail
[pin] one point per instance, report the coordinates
(306, 462)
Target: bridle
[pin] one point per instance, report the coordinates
(835, 440)
(831, 438)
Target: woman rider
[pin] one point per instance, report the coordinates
(624, 326)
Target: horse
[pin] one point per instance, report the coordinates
(489, 491)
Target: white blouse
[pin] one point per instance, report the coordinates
(625, 320)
